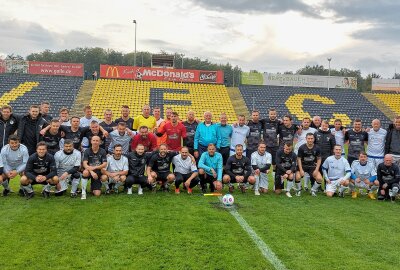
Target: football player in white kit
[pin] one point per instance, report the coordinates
(240, 132)
(261, 163)
(68, 162)
(363, 176)
(116, 170)
(337, 172)
(376, 143)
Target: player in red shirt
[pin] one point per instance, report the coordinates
(175, 131)
(148, 140)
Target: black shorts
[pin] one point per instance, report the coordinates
(279, 184)
(272, 151)
(96, 184)
(224, 151)
(233, 179)
(162, 176)
(309, 171)
(132, 180)
(37, 183)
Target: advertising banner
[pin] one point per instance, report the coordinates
(54, 68)
(385, 85)
(252, 78)
(161, 74)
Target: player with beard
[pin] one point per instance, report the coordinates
(175, 131)
(108, 124)
(122, 136)
(158, 169)
(94, 160)
(185, 171)
(338, 131)
(287, 131)
(254, 138)
(356, 139)
(95, 130)
(29, 128)
(285, 169)
(270, 135)
(238, 169)
(8, 124)
(261, 162)
(40, 169)
(145, 138)
(191, 126)
(309, 161)
(116, 170)
(125, 117)
(210, 169)
(52, 137)
(68, 162)
(14, 157)
(363, 176)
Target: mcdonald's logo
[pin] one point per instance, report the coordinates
(112, 69)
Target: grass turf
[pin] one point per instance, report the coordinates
(166, 231)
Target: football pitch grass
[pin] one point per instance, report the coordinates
(168, 231)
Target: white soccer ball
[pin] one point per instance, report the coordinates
(228, 200)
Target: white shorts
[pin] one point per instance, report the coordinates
(263, 180)
(332, 186)
(361, 185)
(376, 161)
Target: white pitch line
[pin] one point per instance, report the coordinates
(262, 246)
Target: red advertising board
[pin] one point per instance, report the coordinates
(161, 74)
(54, 68)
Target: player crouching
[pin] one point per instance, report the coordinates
(363, 176)
(210, 169)
(117, 169)
(185, 171)
(68, 162)
(285, 169)
(337, 172)
(40, 169)
(261, 163)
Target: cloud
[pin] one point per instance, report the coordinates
(258, 6)
(28, 37)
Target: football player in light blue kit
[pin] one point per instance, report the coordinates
(376, 143)
(240, 133)
(363, 176)
(337, 172)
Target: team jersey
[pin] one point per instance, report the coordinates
(255, 133)
(206, 134)
(301, 138)
(309, 156)
(356, 142)
(75, 136)
(325, 141)
(183, 166)
(270, 132)
(388, 175)
(137, 163)
(261, 161)
(239, 135)
(129, 122)
(376, 143)
(363, 171)
(149, 142)
(124, 140)
(161, 164)
(285, 162)
(52, 141)
(335, 169)
(66, 162)
(225, 134)
(14, 160)
(339, 137)
(140, 120)
(175, 133)
(88, 134)
(159, 121)
(40, 166)
(190, 131)
(286, 134)
(85, 122)
(108, 128)
(238, 166)
(95, 159)
(117, 165)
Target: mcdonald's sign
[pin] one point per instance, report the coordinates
(111, 70)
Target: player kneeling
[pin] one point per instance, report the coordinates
(210, 169)
(14, 156)
(337, 172)
(185, 171)
(363, 176)
(285, 169)
(40, 169)
(117, 169)
(261, 163)
(94, 159)
(389, 179)
(137, 167)
(158, 169)
(68, 162)
(238, 169)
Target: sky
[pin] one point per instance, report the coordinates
(263, 35)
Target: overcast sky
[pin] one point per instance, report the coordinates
(269, 36)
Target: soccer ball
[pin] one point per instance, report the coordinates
(228, 200)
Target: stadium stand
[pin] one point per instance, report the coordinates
(300, 102)
(181, 97)
(391, 100)
(22, 90)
